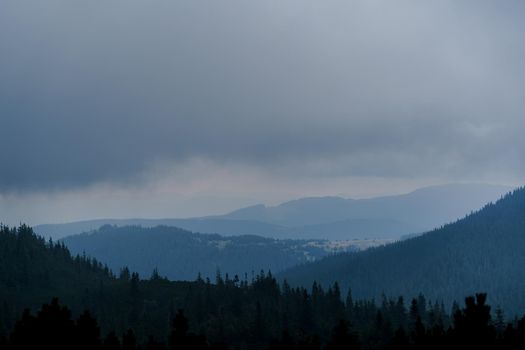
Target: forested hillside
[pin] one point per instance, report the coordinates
(32, 271)
(485, 251)
(107, 312)
(181, 255)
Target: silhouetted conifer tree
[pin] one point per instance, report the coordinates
(342, 338)
(129, 341)
(111, 342)
(472, 325)
(87, 334)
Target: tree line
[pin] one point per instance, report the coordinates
(472, 327)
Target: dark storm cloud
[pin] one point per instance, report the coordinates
(101, 91)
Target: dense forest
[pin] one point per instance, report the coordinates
(125, 311)
(180, 254)
(482, 252)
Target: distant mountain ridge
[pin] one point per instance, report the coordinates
(333, 218)
(426, 208)
(209, 225)
(483, 252)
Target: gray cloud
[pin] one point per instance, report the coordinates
(96, 92)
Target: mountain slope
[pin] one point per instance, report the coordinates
(33, 271)
(182, 255)
(483, 252)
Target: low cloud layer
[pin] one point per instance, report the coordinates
(113, 92)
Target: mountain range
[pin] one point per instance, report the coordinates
(332, 218)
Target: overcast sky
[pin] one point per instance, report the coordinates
(181, 108)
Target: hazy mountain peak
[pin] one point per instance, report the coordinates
(313, 200)
(444, 188)
(246, 212)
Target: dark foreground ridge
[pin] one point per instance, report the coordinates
(472, 328)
